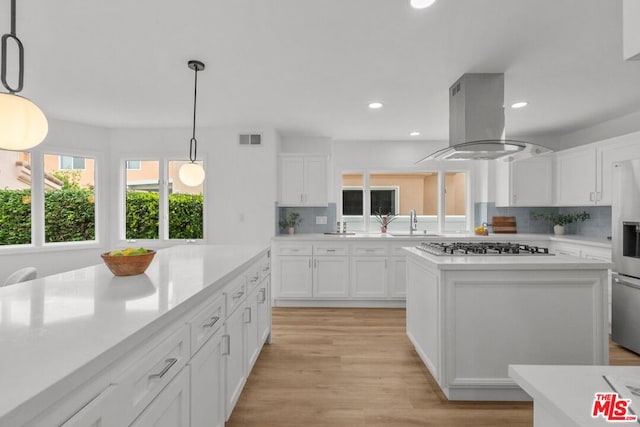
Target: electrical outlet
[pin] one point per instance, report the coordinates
(321, 220)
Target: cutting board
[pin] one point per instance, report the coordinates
(504, 224)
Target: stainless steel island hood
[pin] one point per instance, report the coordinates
(476, 122)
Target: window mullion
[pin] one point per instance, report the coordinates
(37, 198)
(441, 201)
(366, 200)
(163, 189)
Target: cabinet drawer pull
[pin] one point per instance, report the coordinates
(263, 295)
(238, 295)
(369, 250)
(254, 278)
(248, 310)
(227, 350)
(265, 269)
(331, 250)
(214, 320)
(168, 364)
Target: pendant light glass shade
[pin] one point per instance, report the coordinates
(22, 124)
(191, 174)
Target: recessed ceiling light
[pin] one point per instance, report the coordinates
(375, 105)
(421, 4)
(519, 104)
(414, 134)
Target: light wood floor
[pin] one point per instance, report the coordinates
(356, 367)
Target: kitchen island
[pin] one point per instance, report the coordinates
(88, 348)
(469, 317)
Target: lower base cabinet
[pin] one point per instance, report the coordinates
(264, 311)
(207, 384)
(101, 411)
(234, 359)
(171, 407)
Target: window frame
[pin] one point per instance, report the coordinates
(37, 202)
(163, 192)
(440, 169)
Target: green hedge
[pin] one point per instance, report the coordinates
(70, 216)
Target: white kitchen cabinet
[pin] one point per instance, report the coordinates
(207, 384)
(102, 411)
(234, 359)
(630, 30)
(609, 152)
(527, 182)
(397, 277)
(369, 276)
(264, 311)
(171, 407)
(251, 331)
(303, 181)
(331, 276)
(576, 177)
(294, 275)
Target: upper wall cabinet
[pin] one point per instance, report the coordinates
(302, 180)
(576, 182)
(630, 29)
(527, 182)
(583, 174)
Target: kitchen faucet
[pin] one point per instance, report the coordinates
(413, 221)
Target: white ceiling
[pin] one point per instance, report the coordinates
(311, 67)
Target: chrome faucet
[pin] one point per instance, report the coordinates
(413, 221)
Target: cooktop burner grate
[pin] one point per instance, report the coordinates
(481, 248)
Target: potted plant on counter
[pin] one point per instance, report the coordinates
(290, 221)
(560, 220)
(384, 220)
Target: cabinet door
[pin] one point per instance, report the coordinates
(207, 384)
(100, 412)
(171, 407)
(294, 277)
(576, 177)
(623, 148)
(264, 311)
(234, 359)
(331, 277)
(531, 181)
(315, 181)
(251, 330)
(398, 277)
(291, 181)
(368, 277)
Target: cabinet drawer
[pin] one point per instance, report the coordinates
(204, 324)
(598, 254)
(265, 268)
(146, 377)
(294, 250)
(330, 250)
(370, 250)
(235, 293)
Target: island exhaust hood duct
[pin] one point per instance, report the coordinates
(476, 122)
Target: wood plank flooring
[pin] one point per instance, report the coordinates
(356, 367)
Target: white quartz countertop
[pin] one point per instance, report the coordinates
(419, 236)
(87, 318)
(567, 392)
(507, 262)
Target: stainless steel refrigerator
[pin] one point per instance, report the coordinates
(625, 286)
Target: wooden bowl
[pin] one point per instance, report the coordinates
(128, 265)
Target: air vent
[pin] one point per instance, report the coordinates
(250, 139)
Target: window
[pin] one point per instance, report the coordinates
(364, 195)
(142, 201)
(15, 198)
(154, 210)
(134, 165)
(69, 199)
(71, 163)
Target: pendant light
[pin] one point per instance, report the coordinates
(22, 124)
(192, 174)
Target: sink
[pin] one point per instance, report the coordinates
(422, 234)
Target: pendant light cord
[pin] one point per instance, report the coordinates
(5, 38)
(193, 143)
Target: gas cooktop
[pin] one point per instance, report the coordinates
(481, 248)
